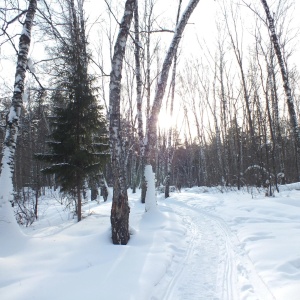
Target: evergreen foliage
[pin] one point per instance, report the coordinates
(78, 143)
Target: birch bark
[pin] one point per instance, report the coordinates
(120, 209)
(7, 219)
(162, 82)
(284, 75)
(170, 150)
(139, 100)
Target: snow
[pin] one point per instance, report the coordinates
(10, 234)
(197, 244)
(150, 201)
(12, 114)
(25, 96)
(17, 89)
(25, 31)
(30, 65)
(18, 78)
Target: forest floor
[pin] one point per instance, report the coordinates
(202, 243)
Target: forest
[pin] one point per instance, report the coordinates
(101, 94)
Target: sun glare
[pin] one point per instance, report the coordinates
(164, 121)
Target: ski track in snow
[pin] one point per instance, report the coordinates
(214, 262)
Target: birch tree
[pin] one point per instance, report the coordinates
(170, 152)
(284, 74)
(120, 209)
(139, 84)
(12, 124)
(162, 81)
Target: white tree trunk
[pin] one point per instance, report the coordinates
(171, 151)
(284, 75)
(162, 82)
(139, 99)
(120, 209)
(150, 202)
(8, 225)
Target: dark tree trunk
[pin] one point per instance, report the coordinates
(37, 194)
(94, 193)
(94, 185)
(78, 200)
(103, 187)
(104, 193)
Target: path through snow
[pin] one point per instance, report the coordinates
(197, 245)
(215, 265)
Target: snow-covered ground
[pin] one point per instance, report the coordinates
(198, 244)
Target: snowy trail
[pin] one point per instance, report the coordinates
(198, 244)
(215, 265)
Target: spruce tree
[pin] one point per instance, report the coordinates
(78, 145)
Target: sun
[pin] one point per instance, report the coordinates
(164, 121)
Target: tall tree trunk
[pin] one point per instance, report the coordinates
(268, 89)
(78, 198)
(120, 208)
(284, 75)
(275, 109)
(217, 131)
(133, 172)
(223, 101)
(237, 48)
(12, 124)
(170, 150)
(103, 187)
(162, 82)
(139, 100)
(239, 151)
